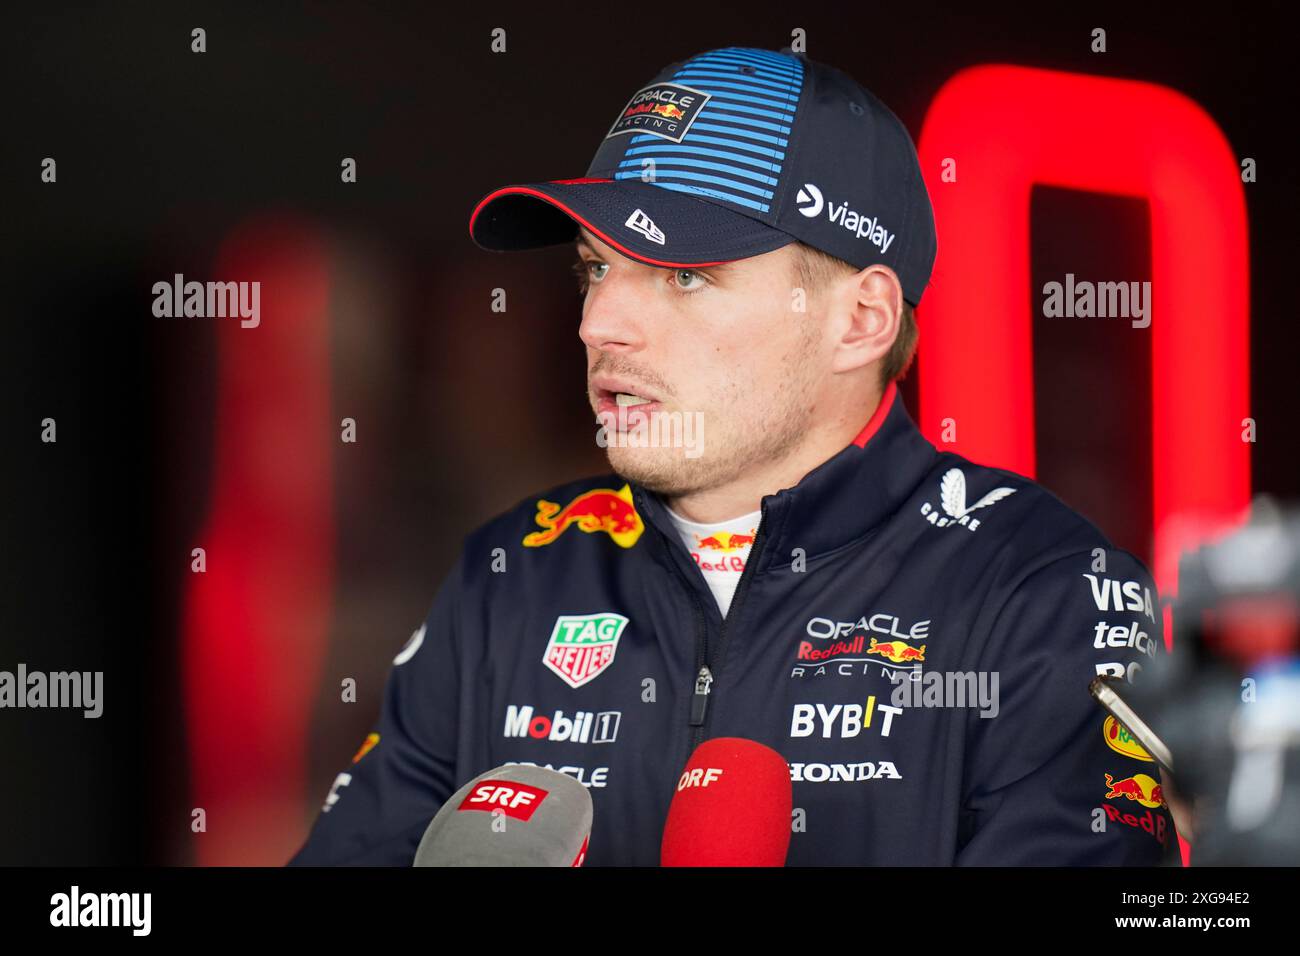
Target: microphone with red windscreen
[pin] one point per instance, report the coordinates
(732, 807)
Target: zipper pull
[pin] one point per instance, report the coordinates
(700, 701)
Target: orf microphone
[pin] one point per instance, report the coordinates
(516, 815)
(732, 807)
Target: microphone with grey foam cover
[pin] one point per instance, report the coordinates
(515, 815)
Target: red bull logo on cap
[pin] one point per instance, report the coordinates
(668, 110)
(601, 509)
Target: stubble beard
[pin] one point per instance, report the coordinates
(732, 450)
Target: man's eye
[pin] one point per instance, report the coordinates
(582, 269)
(689, 280)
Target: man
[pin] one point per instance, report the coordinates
(796, 565)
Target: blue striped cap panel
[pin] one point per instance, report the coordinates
(716, 128)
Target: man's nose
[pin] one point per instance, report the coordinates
(614, 313)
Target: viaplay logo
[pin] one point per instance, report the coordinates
(811, 202)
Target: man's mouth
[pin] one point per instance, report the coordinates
(618, 400)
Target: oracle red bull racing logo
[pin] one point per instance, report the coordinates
(840, 642)
(582, 646)
(666, 110)
(600, 509)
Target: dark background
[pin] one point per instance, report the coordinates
(461, 411)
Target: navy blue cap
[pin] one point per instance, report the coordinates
(730, 154)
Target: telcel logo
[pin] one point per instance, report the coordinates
(1106, 635)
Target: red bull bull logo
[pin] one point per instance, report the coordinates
(1144, 790)
(1139, 787)
(722, 541)
(601, 509)
(897, 651)
(668, 111)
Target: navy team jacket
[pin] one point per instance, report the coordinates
(576, 632)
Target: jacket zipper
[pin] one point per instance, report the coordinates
(704, 678)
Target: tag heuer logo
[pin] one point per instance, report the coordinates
(952, 495)
(583, 646)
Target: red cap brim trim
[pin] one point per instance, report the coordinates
(608, 240)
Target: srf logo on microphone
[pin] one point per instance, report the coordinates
(512, 798)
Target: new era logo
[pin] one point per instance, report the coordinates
(640, 222)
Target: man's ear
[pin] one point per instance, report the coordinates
(868, 309)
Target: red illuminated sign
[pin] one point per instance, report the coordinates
(992, 134)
